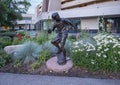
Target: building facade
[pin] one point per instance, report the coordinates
(27, 23)
(92, 15)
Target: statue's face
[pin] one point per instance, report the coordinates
(55, 16)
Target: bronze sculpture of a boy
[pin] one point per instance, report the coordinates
(60, 39)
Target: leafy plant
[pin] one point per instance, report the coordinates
(21, 38)
(27, 53)
(5, 41)
(67, 47)
(16, 41)
(44, 56)
(72, 38)
(4, 58)
(51, 36)
(104, 55)
(48, 46)
(41, 37)
(35, 65)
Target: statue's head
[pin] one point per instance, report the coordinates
(55, 16)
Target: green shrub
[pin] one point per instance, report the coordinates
(4, 58)
(16, 41)
(42, 37)
(67, 47)
(22, 33)
(72, 38)
(35, 65)
(8, 33)
(104, 55)
(5, 41)
(49, 46)
(21, 37)
(84, 34)
(28, 53)
(44, 56)
(51, 36)
(2, 31)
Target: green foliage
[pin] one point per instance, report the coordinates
(8, 33)
(27, 53)
(16, 41)
(72, 38)
(104, 55)
(4, 58)
(44, 56)
(42, 37)
(48, 46)
(118, 38)
(67, 47)
(5, 41)
(22, 33)
(2, 31)
(21, 38)
(84, 34)
(10, 10)
(51, 36)
(35, 65)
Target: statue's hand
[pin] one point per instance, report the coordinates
(49, 30)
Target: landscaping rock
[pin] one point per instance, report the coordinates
(54, 66)
(12, 48)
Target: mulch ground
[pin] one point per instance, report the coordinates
(73, 72)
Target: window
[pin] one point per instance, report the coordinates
(27, 18)
(110, 25)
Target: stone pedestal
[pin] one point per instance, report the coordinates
(54, 66)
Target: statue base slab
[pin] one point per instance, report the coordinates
(53, 65)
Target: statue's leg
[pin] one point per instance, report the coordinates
(62, 44)
(56, 42)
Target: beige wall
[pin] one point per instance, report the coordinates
(89, 23)
(75, 2)
(54, 5)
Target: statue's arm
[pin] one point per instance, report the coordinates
(52, 28)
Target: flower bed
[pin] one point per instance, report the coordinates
(104, 55)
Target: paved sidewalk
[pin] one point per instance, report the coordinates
(21, 79)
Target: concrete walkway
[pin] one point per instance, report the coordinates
(21, 79)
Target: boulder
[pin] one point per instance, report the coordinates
(12, 48)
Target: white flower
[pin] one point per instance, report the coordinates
(73, 51)
(104, 56)
(106, 49)
(76, 43)
(102, 52)
(98, 54)
(118, 52)
(80, 49)
(115, 61)
(76, 46)
(92, 62)
(115, 45)
(76, 51)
